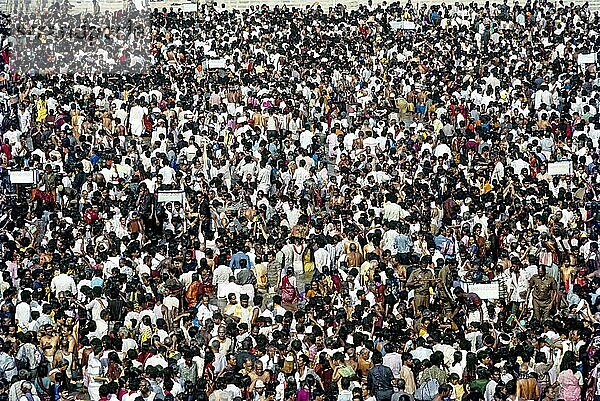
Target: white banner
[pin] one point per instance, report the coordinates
(171, 196)
(217, 63)
(189, 7)
(560, 168)
(405, 25)
(484, 291)
(589, 58)
(23, 177)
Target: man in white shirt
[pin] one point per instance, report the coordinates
(391, 210)
(23, 310)
(63, 282)
(98, 304)
(205, 310)
(220, 278)
(158, 359)
(167, 173)
(223, 291)
(393, 360)
(322, 258)
(301, 174)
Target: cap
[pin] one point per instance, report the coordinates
(259, 384)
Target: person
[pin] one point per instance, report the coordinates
(379, 379)
(259, 389)
(543, 290)
(443, 393)
(63, 282)
(420, 281)
(569, 379)
(444, 285)
(8, 364)
(528, 387)
(401, 393)
(490, 388)
(393, 360)
(345, 393)
(289, 290)
(95, 373)
(407, 374)
(434, 371)
(26, 391)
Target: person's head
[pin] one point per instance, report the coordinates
(541, 271)
(222, 333)
(437, 358)
(549, 393)
(26, 387)
(401, 384)
(145, 387)
(259, 386)
(511, 388)
(445, 390)
(377, 358)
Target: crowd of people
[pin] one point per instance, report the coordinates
(396, 202)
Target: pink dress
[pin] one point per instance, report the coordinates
(569, 386)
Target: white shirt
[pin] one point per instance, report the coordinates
(168, 174)
(225, 289)
(23, 314)
(97, 306)
(63, 282)
(322, 259)
(157, 360)
(393, 360)
(94, 368)
(205, 312)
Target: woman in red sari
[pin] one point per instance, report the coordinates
(289, 291)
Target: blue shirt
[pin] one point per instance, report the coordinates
(403, 244)
(235, 260)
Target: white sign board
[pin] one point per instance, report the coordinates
(484, 291)
(405, 25)
(217, 63)
(171, 196)
(589, 58)
(560, 168)
(23, 177)
(189, 7)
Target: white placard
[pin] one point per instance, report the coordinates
(560, 168)
(171, 196)
(217, 63)
(23, 177)
(405, 25)
(484, 291)
(589, 58)
(189, 7)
